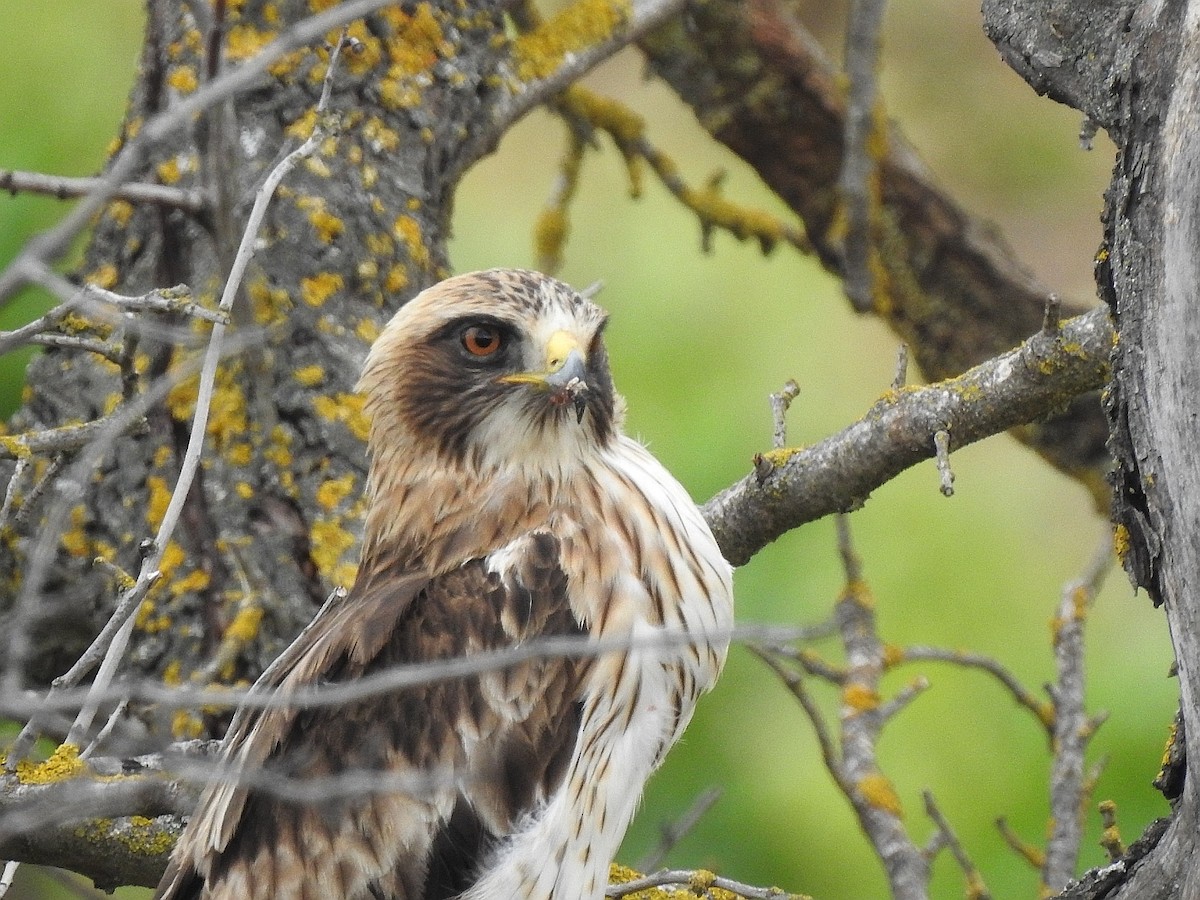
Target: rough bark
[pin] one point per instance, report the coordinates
(1135, 69)
(272, 526)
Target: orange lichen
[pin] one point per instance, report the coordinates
(860, 697)
(878, 791)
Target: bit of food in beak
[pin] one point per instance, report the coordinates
(565, 376)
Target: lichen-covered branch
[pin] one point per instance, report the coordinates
(942, 279)
(798, 485)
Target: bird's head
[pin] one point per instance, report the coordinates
(492, 368)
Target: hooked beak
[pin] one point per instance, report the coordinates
(565, 375)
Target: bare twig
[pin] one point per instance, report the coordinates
(1052, 320)
(1110, 836)
(586, 112)
(779, 406)
(10, 492)
(673, 832)
(941, 448)
(872, 794)
(1031, 853)
(697, 883)
(795, 684)
(976, 890)
(858, 182)
(901, 378)
(30, 500)
(1040, 709)
(65, 188)
(1073, 728)
(23, 704)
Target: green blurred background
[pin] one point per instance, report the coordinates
(697, 343)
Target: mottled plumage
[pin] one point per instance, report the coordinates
(505, 505)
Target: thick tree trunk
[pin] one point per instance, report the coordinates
(1134, 68)
(272, 524)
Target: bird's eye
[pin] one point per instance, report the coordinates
(481, 340)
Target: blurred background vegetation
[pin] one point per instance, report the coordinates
(698, 341)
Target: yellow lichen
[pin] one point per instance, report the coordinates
(397, 279)
(62, 764)
(1121, 542)
(367, 330)
(104, 276)
(193, 582)
(75, 540)
(407, 230)
(326, 224)
(173, 557)
(186, 725)
(160, 497)
(878, 791)
(183, 79)
(244, 490)
(279, 451)
(316, 290)
(380, 138)
(120, 211)
(856, 591)
(309, 375)
(172, 674)
(244, 627)
(335, 490)
(240, 455)
(347, 409)
(246, 40)
(329, 543)
(149, 620)
(303, 127)
(380, 244)
(585, 22)
(270, 305)
(892, 656)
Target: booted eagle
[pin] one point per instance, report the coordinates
(506, 507)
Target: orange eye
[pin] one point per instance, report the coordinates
(481, 340)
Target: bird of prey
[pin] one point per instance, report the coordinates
(506, 506)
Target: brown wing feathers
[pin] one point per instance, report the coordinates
(503, 737)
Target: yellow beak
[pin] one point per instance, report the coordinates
(565, 375)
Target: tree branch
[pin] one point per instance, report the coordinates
(1024, 385)
(947, 284)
